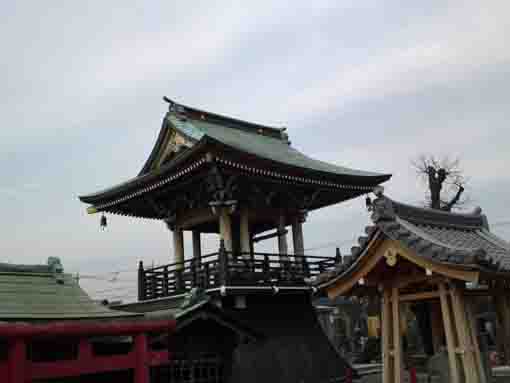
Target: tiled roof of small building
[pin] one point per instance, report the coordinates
(445, 237)
(44, 292)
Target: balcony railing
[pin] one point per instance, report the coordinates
(225, 268)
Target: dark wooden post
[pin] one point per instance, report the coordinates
(194, 277)
(266, 268)
(141, 282)
(223, 263)
(179, 280)
(165, 281)
(252, 259)
(207, 276)
(306, 269)
(197, 249)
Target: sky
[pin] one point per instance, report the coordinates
(365, 84)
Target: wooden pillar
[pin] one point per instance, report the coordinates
(225, 228)
(178, 248)
(386, 337)
(244, 226)
(197, 247)
(297, 236)
(283, 249)
(471, 319)
(450, 336)
(397, 338)
(141, 364)
(17, 361)
(466, 347)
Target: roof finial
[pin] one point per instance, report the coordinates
(166, 99)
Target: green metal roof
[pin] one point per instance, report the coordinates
(267, 147)
(203, 128)
(26, 295)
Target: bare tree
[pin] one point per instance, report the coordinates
(444, 179)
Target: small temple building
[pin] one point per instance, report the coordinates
(245, 182)
(51, 331)
(441, 261)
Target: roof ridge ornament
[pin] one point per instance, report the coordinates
(175, 108)
(382, 207)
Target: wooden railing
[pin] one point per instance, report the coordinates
(232, 269)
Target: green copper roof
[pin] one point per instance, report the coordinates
(203, 129)
(27, 295)
(274, 149)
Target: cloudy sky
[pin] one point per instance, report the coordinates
(367, 84)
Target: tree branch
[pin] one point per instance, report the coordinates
(454, 200)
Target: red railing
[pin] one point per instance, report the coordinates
(18, 368)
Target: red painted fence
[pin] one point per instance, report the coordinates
(18, 369)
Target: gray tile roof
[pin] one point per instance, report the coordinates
(440, 236)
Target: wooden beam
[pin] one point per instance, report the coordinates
(268, 236)
(410, 279)
(191, 218)
(369, 261)
(397, 337)
(448, 330)
(419, 296)
(451, 271)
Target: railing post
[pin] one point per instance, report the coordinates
(223, 263)
(194, 279)
(141, 282)
(252, 260)
(306, 269)
(179, 281)
(207, 276)
(266, 267)
(165, 281)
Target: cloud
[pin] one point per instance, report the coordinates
(459, 43)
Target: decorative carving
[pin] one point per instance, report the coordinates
(391, 257)
(309, 199)
(221, 188)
